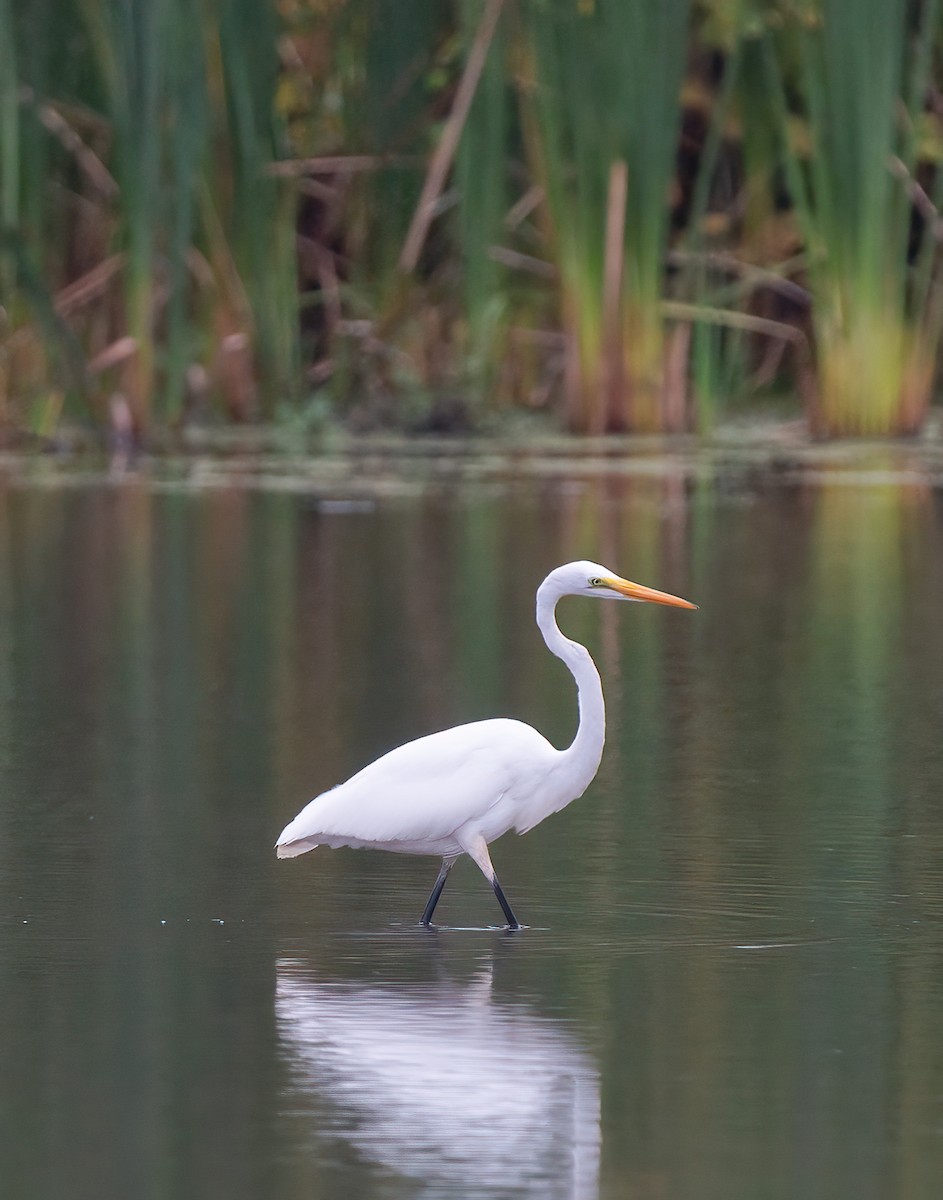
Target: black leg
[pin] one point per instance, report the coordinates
(437, 891)
(513, 922)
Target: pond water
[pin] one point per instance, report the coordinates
(731, 983)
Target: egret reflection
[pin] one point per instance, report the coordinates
(444, 1084)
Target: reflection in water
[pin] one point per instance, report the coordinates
(443, 1084)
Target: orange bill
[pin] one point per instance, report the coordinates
(636, 591)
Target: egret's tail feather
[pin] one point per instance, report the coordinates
(293, 849)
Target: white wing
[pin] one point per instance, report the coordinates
(418, 795)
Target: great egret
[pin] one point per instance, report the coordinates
(453, 792)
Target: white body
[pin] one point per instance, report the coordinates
(448, 793)
(435, 795)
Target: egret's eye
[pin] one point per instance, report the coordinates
(595, 583)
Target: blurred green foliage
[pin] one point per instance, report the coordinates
(643, 214)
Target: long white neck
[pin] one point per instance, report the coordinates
(581, 759)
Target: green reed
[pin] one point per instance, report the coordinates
(9, 136)
(607, 98)
(863, 68)
(481, 183)
(135, 138)
(169, 254)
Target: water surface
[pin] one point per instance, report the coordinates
(732, 979)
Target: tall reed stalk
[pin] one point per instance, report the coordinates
(482, 186)
(387, 117)
(130, 40)
(863, 70)
(9, 138)
(607, 92)
(38, 363)
(9, 178)
(258, 210)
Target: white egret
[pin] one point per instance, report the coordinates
(453, 792)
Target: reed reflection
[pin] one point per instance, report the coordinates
(445, 1084)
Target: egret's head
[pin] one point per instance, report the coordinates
(590, 579)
